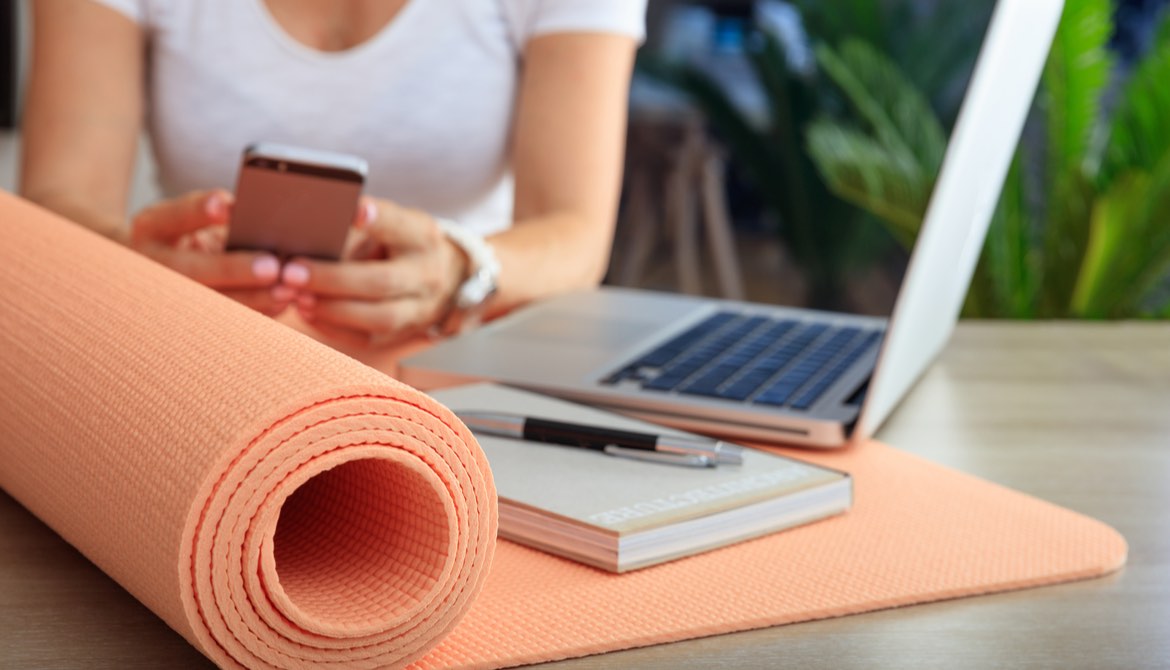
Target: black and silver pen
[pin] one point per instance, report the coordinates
(672, 449)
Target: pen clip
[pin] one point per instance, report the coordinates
(688, 460)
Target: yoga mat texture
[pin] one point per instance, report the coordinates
(159, 428)
(275, 502)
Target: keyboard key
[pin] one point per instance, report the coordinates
(740, 357)
(810, 395)
(664, 353)
(764, 368)
(783, 388)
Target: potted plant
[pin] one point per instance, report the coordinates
(826, 233)
(1082, 228)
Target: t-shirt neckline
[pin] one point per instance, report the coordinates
(384, 34)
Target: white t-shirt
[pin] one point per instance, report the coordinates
(428, 101)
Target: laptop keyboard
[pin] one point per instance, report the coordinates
(754, 359)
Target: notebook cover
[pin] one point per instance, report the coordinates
(612, 498)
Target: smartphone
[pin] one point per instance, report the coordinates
(293, 201)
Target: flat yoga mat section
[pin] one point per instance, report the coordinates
(281, 505)
(275, 502)
(919, 532)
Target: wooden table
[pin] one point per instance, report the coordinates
(1077, 414)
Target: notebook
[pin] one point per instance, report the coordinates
(769, 373)
(619, 514)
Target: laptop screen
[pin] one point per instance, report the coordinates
(857, 159)
(827, 129)
(862, 152)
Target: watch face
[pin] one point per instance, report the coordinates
(476, 290)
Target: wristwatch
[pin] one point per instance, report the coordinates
(483, 276)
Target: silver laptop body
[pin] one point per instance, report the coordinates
(592, 346)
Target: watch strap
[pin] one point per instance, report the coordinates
(483, 271)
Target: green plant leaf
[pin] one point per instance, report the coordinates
(934, 44)
(887, 184)
(771, 69)
(1128, 254)
(1008, 263)
(1070, 199)
(840, 19)
(1095, 295)
(896, 111)
(1075, 77)
(1162, 32)
(1140, 134)
(818, 229)
(938, 54)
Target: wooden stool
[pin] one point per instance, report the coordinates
(674, 183)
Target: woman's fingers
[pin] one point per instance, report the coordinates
(344, 336)
(398, 278)
(387, 316)
(380, 322)
(401, 228)
(264, 300)
(187, 234)
(364, 280)
(236, 270)
(166, 222)
(212, 239)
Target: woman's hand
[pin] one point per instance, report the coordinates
(188, 233)
(397, 281)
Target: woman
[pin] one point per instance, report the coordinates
(505, 116)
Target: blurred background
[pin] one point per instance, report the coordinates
(784, 152)
(788, 149)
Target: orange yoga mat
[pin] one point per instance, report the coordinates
(140, 408)
(275, 502)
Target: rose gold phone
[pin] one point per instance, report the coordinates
(293, 201)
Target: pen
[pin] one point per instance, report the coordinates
(673, 449)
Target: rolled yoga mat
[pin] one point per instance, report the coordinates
(275, 502)
(157, 427)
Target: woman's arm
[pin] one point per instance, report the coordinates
(83, 113)
(568, 144)
(566, 155)
(82, 118)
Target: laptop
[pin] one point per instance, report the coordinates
(764, 372)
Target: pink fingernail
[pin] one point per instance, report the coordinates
(306, 300)
(215, 207)
(369, 212)
(266, 268)
(296, 274)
